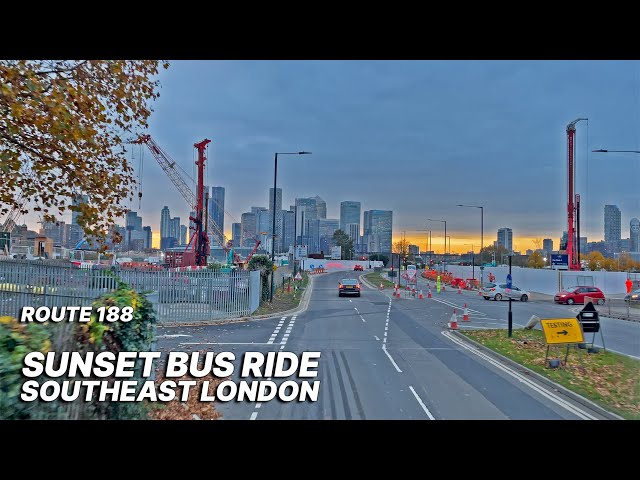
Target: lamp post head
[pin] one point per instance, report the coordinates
(304, 153)
(600, 150)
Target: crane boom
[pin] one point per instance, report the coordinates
(168, 165)
(11, 218)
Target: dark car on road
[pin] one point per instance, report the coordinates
(573, 295)
(349, 286)
(633, 297)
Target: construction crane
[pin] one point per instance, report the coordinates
(168, 165)
(10, 220)
(573, 205)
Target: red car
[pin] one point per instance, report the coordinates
(358, 268)
(573, 295)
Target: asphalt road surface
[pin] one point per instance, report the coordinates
(384, 358)
(621, 336)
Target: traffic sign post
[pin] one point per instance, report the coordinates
(590, 321)
(509, 285)
(561, 331)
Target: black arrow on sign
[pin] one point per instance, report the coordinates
(563, 332)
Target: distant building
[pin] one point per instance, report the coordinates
(353, 230)
(505, 238)
(529, 251)
(584, 246)
(174, 229)
(216, 208)
(278, 199)
(165, 219)
(321, 207)
(55, 231)
(249, 225)
(307, 211)
(288, 230)
(183, 235)
(349, 213)
(414, 250)
(326, 228)
(547, 245)
(236, 234)
(634, 235)
(148, 239)
(379, 230)
(564, 240)
(77, 201)
(612, 223)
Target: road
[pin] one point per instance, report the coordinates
(381, 358)
(620, 336)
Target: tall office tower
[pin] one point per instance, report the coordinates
(165, 220)
(349, 213)
(321, 207)
(278, 199)
(236, 234)
(505, 238)
(216, 207)
(380, 228)
(248, 221)
(612, 223)
(634, 235)
(547, 245)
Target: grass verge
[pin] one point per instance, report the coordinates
(609, 379)
(283, 299)
(377, 278)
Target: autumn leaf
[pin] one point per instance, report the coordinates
(62, 129)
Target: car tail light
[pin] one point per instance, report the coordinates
(340, 285)
(358, 286)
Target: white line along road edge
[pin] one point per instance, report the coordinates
(554, 398)
(424, 407)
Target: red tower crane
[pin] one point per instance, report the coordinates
(572, 208)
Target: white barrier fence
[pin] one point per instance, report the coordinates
(548, 282)
(338, 265)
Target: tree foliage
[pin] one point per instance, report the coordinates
(536, 260)
(264, 264)
(342, 240)
(63, 125)
(401, 247)
(595, 261)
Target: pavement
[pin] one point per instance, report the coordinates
(388, 358)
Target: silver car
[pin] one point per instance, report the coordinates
(499, 292)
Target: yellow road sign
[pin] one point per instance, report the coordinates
(562, 330)
(275, 267)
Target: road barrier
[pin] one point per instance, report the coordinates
(199, 295)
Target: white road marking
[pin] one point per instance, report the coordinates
(459, 307)
(258, 405)
(173, 336)
(376, 337)
(424, 407)
(554, 398)
(253, 416)
(384, 349)
(363, 319)
(276, 331)
(225, 343)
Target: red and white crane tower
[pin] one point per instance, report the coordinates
(573, 205)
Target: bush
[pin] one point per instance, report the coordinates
(18, 339)
(265, 265)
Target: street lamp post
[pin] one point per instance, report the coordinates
(273, 224)
(481, 238)
(445, 234)
(473, 262)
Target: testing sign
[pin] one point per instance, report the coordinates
(562, 330)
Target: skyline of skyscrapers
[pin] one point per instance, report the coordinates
(349, 213)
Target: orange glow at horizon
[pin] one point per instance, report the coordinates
(520, 244)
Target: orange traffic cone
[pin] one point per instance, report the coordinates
(429, 293)
(459, 290)
(453, 323)
(465, 316)
(421, 296)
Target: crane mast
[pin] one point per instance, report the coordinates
(195, 201)
(573, 200)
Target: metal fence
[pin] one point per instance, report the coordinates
(202, 295)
